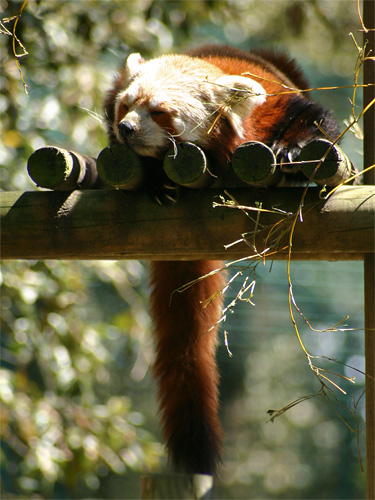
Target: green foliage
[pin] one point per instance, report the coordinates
(73, 348)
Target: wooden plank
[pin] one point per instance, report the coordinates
(129, 225)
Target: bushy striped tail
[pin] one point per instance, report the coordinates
(185, 365)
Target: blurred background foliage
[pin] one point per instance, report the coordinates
(77, 399)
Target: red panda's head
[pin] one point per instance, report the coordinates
(178, 98)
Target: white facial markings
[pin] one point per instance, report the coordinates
(179, 125)
(192, 93)
(147, 138)
(187, 129)
(133, 93)
(156, 101)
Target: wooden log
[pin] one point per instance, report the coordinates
(61, 170)
(120, 167)
(173, 486)
(333, 165)
(105, 224)
(255, 163)
(186, 164)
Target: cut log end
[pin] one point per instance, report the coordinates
(255, 163)
(324, 163)
(186, 164)
(52, 168)
(61, 170)
(120, 167)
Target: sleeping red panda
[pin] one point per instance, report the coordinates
(219, 98)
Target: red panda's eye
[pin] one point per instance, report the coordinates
(157, 112)
(125, 108)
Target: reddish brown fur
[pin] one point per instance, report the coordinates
(165, 121)
(110, 102)
(286, 121)
(264, 117)
(185, 362)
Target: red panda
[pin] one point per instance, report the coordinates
(218, 97)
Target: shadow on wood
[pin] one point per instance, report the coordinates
(110, 224)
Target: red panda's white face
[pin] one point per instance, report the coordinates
(177, 98)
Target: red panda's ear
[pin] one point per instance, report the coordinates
(240, 93)
(133, 62)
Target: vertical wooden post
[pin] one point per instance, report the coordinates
(369, 268)
(369, 261)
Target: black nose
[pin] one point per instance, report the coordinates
(125, 129)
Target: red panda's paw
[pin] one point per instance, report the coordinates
(165, 194)
(159, 187)
(287, 158)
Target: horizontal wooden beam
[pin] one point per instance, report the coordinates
(109, 224)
